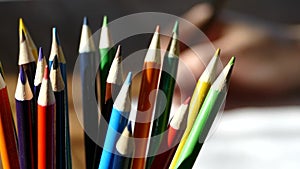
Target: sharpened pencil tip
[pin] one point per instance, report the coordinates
(157, 29)
(128, 78)
(129, 127)
(41, 55)
(176, 27)
(21, 23)
(104, 24)
(187, 101)
(232, 60)
(46, 72)
(55, 62)
(55, 34)
(85, 21)
(118, 53)
(217, 53)
(22, 75)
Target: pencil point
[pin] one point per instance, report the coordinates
(187, 101)
(104, 24)
(22, 75)
(128, 78)
(176, 27)
(41, 55)
(118, 52)
(85, 21)
(232, 60)
(46, 72)
(21, 23)
(217, 53)
(157, 29)
(55, 34)
(55, 62)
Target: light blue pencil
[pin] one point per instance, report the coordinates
(117, 123)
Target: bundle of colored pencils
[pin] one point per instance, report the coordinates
(42, 137)
(173, 144)
(153, 140)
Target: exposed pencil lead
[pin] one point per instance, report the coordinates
(175, 28)
(119, 52)
(55, 34)
(85, 21)
(104, 24)
(232, 60)
(129, 78)
(41, 55)
(46, 72)
(157, 29)
(217, 53)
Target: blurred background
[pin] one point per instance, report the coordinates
(272, 143)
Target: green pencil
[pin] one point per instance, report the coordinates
(107, 53)
(206, 115)
(166, 85)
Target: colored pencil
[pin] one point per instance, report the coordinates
(8, 145)
(113, 85)
(166, 85)
(23, 97)
(117, 123)
(46, 124)
(56, 50)
(149, 82)
(28, 62)
(124, 149)
(212, 104)
(171, 138)
(200, 92)
(58, 88)
(87, 56)
(39, 73)
(107, 54)
(31, 44)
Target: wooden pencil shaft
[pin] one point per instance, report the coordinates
(60, 130)
(90, 111)
(8, 143)
(23, 113)
(46, 130)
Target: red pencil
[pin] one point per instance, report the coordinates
(149, 82)
(8, 144)
(46, 124)
(172, 138)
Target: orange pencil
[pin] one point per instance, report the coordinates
(46, 124)
(150, 76)
(8, 145)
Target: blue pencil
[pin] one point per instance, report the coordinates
(117, 123)
(87, 57)
(124, 149)
(56, 50)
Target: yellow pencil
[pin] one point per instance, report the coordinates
(31, 44)
(201, 89)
